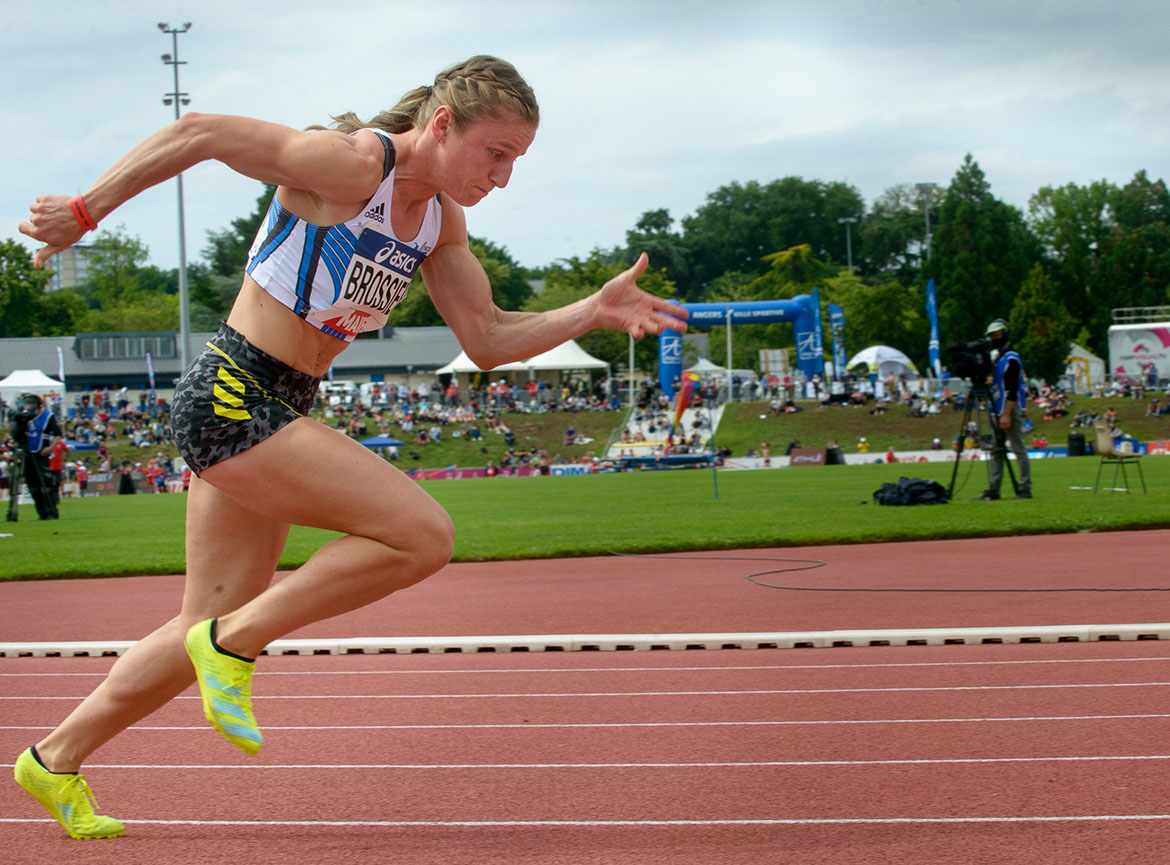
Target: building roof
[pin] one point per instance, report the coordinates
(406, 350)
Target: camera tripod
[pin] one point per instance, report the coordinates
(15, 480)
(990, 442)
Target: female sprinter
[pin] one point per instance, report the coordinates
(358, 209)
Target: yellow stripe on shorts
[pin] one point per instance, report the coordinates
(232, 401)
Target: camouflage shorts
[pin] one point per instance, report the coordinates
(233, 396)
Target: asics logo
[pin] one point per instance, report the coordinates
(385, 252)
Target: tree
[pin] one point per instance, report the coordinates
(893, 234)
(886, 313)
(1073, 223)
(26, 309)
(653, 235)
(510, 288)
(122, 293)
(741, 224)
(572, 279)
(981, 254)
(1134, 261)
(227, 251)
(1041, 327)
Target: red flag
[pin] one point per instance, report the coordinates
(690, 379)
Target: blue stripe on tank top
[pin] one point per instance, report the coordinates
(314, 240)
(337, 253)
(281, 227)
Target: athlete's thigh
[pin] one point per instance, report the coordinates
(232, 551)
(310, 475)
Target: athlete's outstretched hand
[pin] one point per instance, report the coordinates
(52, 223)
(621, 305)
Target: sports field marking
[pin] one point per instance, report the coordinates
(634, 724)
(520, 824)
(619, 694)
(706, 764)
(468, 671)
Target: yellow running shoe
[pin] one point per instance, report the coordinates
(66, 797)
(225, 683)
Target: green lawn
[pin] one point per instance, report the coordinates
(508, 518)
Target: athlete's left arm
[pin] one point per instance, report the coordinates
(460, 290)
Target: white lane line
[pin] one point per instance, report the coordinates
(619, 694)
(746, 764)
(634, 724)
(261, 673)
(482, 824)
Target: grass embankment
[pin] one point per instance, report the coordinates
(742, 429)
(532, 517)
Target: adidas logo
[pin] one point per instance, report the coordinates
(377, 213)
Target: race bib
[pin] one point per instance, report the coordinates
(376, 281)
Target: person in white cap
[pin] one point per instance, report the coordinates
(1008, 400)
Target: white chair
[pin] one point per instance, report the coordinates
(1119, 460)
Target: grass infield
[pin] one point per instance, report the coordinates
(537, 517)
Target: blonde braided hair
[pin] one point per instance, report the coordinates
(480, 87)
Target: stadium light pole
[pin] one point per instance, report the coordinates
(848, 222)
(177, 98)
(926, 189)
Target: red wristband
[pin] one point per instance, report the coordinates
(77, 205)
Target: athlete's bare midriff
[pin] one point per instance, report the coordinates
(274, 328)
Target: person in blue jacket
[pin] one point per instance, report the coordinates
(1008, 401)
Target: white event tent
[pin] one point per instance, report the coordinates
(28, 381)
(883, 360)
(566, 356)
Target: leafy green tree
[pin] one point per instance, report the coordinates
(654, 235)
(115, 268)
(572, 279)
(1041, 326)
(893, 234)
(981, 254)
(742, 224)
(226, 251)
(510, 287)
(1134, 262)
(1072, 224)
(26, 308)
(885, 313)
(121, 292)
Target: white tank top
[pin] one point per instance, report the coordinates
(343, 279)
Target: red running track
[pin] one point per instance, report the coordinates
(959, 754)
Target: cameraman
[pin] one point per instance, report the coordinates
(1008, 398)
(36, 431)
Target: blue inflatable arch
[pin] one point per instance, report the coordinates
(804, 311)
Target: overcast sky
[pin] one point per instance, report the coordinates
(645, 104)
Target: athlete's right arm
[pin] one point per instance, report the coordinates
(336, 167)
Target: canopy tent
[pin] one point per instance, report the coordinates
(462, 363)
(28, 381)
(382, 442)
(706, 367)
(567, 355)
(883, 360)
(1084, 368)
